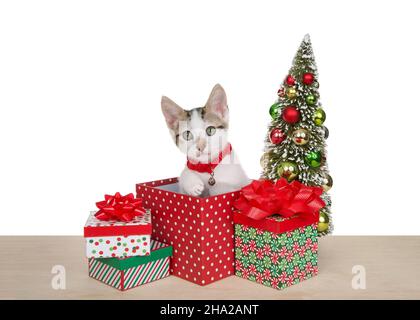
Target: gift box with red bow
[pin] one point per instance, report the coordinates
(199, 229)
(276, 239)
(121, 228)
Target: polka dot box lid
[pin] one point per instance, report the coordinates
(97, 228)
(159, 250)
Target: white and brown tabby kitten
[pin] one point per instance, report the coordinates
(201, 134)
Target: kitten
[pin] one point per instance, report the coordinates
(201, 133)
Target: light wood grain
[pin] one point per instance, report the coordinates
(392, 271)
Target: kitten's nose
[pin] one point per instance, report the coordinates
(201, 144)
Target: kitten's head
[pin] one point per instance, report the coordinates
(200, 133)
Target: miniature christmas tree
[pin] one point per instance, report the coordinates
(295, 144)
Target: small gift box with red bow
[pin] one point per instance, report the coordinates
(121, 228)
(276, 242)
(199, 229)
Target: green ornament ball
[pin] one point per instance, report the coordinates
(313, 159)
(310, 99)
(275, 111)
(288, 170)
(319, 117)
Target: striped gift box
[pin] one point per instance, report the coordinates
(124, 274)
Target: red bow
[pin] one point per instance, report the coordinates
(263, 198)
(120, 208)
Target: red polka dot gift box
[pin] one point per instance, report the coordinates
(199, 229)
(109, 239)
(128, 273)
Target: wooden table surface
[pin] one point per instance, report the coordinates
(392, 267)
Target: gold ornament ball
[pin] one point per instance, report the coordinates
(288, 170)
(327, 183)
(319, 117)
(301, 137)
(291, 93)
(264, 160)
(323, 222)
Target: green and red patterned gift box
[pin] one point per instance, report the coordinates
(127, 273)
(276, 236)
(277, 260)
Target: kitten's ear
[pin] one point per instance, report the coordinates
(173, 113)
(217, 103)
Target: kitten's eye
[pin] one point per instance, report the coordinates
(210, 130)
(187, 135)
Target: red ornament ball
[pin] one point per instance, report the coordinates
(280, 92)
(291, 115)
(308, 78)
(290, 81)
(277, 136)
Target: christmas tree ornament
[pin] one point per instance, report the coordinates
(319, 117)
(265, 159)
(327, 183)
(274, 111)
(313, 159)
(301, 137)
(290, 81)
(310, 99)
(308, 78)
(323, 222)
(280, 92)
(326, 133)
(277, 136)
(288, 170)
(291, 93)
(291, 115)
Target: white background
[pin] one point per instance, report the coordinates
(81, 82)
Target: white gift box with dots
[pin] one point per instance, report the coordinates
(109, 239)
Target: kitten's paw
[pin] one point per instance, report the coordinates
(195, 189)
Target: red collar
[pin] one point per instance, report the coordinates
(209, 167)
